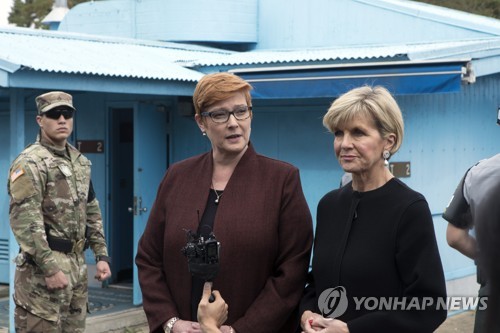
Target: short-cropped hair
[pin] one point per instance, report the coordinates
(216, 87)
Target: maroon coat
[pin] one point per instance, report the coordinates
(265, 229)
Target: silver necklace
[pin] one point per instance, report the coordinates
(216, 194)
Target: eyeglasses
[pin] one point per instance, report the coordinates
(221, 116)
(56, 114)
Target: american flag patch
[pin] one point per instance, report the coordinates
(16, 174)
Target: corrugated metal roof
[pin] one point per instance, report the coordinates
(52, 51)
(303, 55)
(418, 51)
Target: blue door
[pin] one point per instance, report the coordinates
(150, 163)
(4, 202)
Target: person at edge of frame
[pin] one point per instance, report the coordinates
(54, 216)
(475, 205)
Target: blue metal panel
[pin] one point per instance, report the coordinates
(150, 163)
(295, 134)
(223, 21)
(89, 113)
(57, 81)
(444, 15)
(319, 23)
(320, 81)
(277, 24)
(94, 18)
(4, 202)
(208, 21)
(445, 135)
(4, 78)
(455, 264)
(486, 64)
(17, 136)
(186, 140)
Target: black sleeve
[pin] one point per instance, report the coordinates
(309, 299)
(91, 195)
(458, 210)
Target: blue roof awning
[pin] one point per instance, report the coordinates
(400, 78)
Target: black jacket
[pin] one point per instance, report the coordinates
(378, 244)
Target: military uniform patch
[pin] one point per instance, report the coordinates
(65, 170)
(22, 188)
(16, 174)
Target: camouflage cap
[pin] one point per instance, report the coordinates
(50, 100)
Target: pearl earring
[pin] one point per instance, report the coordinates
(204, 133)
(386, 155)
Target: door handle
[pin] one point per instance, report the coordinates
(142, 209)
(133, 209)
(137, 207)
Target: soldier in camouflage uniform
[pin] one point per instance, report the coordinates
(54, 216)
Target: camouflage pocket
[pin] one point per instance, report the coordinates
(39, 307)
(49, 209)
(32, 294)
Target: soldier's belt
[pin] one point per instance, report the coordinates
(66, 245)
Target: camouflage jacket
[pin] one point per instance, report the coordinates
(51, 187)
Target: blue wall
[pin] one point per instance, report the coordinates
(232, 21)
(277, 24)
(4, 200)
(300, 24)
(445, 135)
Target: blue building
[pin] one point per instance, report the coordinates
(132, 67)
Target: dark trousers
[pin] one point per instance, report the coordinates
(480, 318)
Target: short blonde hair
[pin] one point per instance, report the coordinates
(374, 102)
(216, 87)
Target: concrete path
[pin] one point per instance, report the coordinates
(133, 320)
(458, 323)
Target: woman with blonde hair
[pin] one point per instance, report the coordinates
(374, 236)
